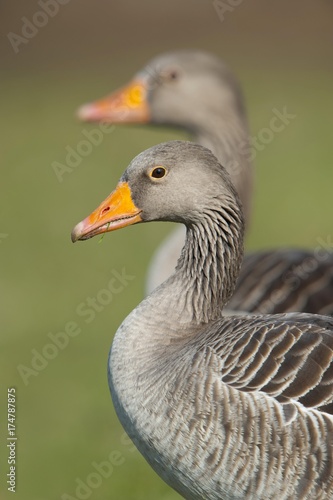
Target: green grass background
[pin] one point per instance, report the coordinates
(65, 417)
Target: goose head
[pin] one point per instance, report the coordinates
(176, 181)
(181, 89)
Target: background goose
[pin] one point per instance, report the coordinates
(220, 407)
(196, 91)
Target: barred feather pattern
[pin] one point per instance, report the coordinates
(225, 407)
(236, 412)
(284, 281)
(212, 246)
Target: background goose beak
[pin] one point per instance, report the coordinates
(116, 211)
(126, 105)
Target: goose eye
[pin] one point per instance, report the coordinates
(158, 172)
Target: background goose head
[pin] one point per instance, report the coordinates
(195, 91)
(178, 88)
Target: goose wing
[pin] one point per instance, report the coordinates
(280, 281)
(286, 356)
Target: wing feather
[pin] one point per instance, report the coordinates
(286, 356)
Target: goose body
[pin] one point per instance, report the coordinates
(220, 407)
(197, 92)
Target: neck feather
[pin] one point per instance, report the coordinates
(209, 264)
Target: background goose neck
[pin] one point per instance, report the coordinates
(227, 136)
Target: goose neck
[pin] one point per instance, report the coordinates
(208, 267)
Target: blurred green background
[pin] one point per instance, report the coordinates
(282, 52)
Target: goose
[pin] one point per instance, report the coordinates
(195, 91)
(232, 407)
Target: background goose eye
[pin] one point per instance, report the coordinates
(171, 75)
(158, 172)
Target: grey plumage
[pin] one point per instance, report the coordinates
(285, 280)
(221, 407)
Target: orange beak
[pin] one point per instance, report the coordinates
(126, 105)
(118, 210)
